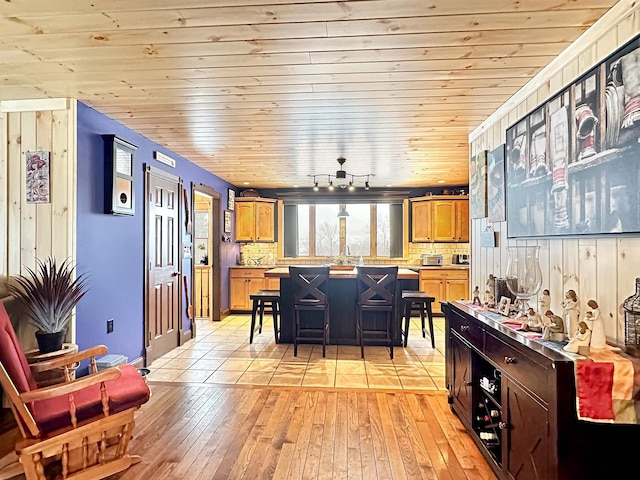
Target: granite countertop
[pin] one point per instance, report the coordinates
(279, 272)
(268, 267)
(440, 267)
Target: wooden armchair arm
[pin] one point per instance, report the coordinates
(67, 360)
(70, 387)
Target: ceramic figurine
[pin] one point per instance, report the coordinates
(533, 323)
(554, 329)
(490, 300)
(598, 337)
(579, 342)
(544, 303)
(571, 308)
(491, 285)
(476, 296)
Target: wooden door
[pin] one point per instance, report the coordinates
(461, 378)
(462, 220)
(163, 263)
(444, 221)
(421, 221)
(245, 221)
(264, 226)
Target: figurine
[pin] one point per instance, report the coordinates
(491, 285)
(476, 296)
(571, 308)
(598, 337)
(554, 330)
(579, 342)
(489, 300)
(544, 303)
(534, 322)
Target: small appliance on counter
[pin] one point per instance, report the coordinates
(461, 259)
(432, 259)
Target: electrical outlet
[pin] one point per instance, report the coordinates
(110, 325)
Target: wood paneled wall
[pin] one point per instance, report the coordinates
(602, 268)
(30, 231)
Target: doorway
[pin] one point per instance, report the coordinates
(206, 289)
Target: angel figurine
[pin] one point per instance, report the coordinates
(476, 296)
(571, 308)
(579, 342)
(598, 337)
(533, 323)
(544, 303)
(554, 328)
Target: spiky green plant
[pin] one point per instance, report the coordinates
(49, 293)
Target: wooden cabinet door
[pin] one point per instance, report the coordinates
(245, 221)
(462, 220)
(264, 221)
(444, 220)
(456, 289)
(272, 283)
(421, 221)
(238, 296)
(461, 383)
(526, 446)
(435, 288)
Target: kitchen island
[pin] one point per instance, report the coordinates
(343, 300)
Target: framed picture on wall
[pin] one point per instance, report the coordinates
(478, 185)
(227, 221)
(231, 201)
(495, 185)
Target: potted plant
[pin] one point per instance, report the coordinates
(48, 296)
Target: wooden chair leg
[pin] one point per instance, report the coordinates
(296, 333)
(430, 316)
(390, 324)
(407, 321)
(262, 302)
(276, 329)
(254, 310)
(359, 326)
(422, 306)
(325, 331)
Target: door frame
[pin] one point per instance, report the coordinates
(215, 236)
(149, 171)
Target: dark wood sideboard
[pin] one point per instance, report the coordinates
(516, 399)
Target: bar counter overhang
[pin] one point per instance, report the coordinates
(343, 301)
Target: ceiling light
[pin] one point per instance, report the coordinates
(343, 211)
(440, 181)
(246, 183)
(341, 178)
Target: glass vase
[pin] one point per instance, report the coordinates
(524, 276)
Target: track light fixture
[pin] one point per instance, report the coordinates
(343, 179)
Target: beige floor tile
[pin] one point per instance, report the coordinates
(244, 354)
(286, 380)
(218, 354)
(192, 353)
(296, 369)
(333, 349)
(208, 364)
(222, 376)
(199, 346)
(383, 381)
(197, 376)
(441, 382)
(263, 365)
(434, 357)
(411, 371)
(406, 360)
(180, 363)
(414, 383)
(348, 349)
(379, 359)
(351, 381)
(348, 356)
(235, 365)
(172, 354)
(322, 368)
(435, 369)
(255, 378)
(164, 374)
(275, 354)
(375, 369)
(350, 367)
(318, 380)
(159, 362)
(300, 358)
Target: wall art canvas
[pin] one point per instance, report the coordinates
(478, 185)
(573, 163)
(495, 185)
(227, 221)
(37, 177)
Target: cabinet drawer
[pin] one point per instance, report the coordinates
(469, 330)
(518, 365)
(443, 274)
(247, 273)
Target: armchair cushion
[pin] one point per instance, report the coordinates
(130, 390)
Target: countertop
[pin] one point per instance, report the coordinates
(440, 267)
(283, 272)
(268, 267)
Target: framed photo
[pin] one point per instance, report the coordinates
(572, 163)
(231, 202)
(478, 185)
(37, 186)
(227, 221)
(495, 185)
(503, 306)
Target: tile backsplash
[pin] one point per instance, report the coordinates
(268, 253)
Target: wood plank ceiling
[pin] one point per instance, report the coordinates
(269, 91)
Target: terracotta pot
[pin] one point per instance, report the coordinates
(49, 342)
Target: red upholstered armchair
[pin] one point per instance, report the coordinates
(83, 424)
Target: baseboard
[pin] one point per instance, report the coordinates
(225, 313)
(138, 362)
(185, 336)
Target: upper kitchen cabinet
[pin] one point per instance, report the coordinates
(440, 219)
(255, 219)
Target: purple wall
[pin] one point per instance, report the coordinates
(111, 247)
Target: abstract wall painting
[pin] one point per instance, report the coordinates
(38, 177)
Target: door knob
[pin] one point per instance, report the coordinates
(175, 274)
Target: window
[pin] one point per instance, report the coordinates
(371, 230)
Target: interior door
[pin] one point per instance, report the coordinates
(162, 240)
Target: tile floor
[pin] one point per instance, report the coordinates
(222, 354)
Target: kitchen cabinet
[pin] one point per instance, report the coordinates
(255, 219)
(516, 399)
(440, 219)
(444, 284)
(246, 281)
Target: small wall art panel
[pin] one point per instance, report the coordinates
(495, 185)
(478, 185)
(573, 163)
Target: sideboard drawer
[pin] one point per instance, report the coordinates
(467, 329)
(518, 365)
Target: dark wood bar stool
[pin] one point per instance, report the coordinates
(376, 295)
(310, 303)
(262, 299)
(419, 299)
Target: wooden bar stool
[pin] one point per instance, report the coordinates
(310, 304)
(261, 299)
(423, 302)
